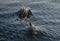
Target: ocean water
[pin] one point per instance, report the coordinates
(46, 17)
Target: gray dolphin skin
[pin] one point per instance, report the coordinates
(24, 12)
(33, 29)
(29, 20)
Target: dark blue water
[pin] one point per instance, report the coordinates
(46, 17)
